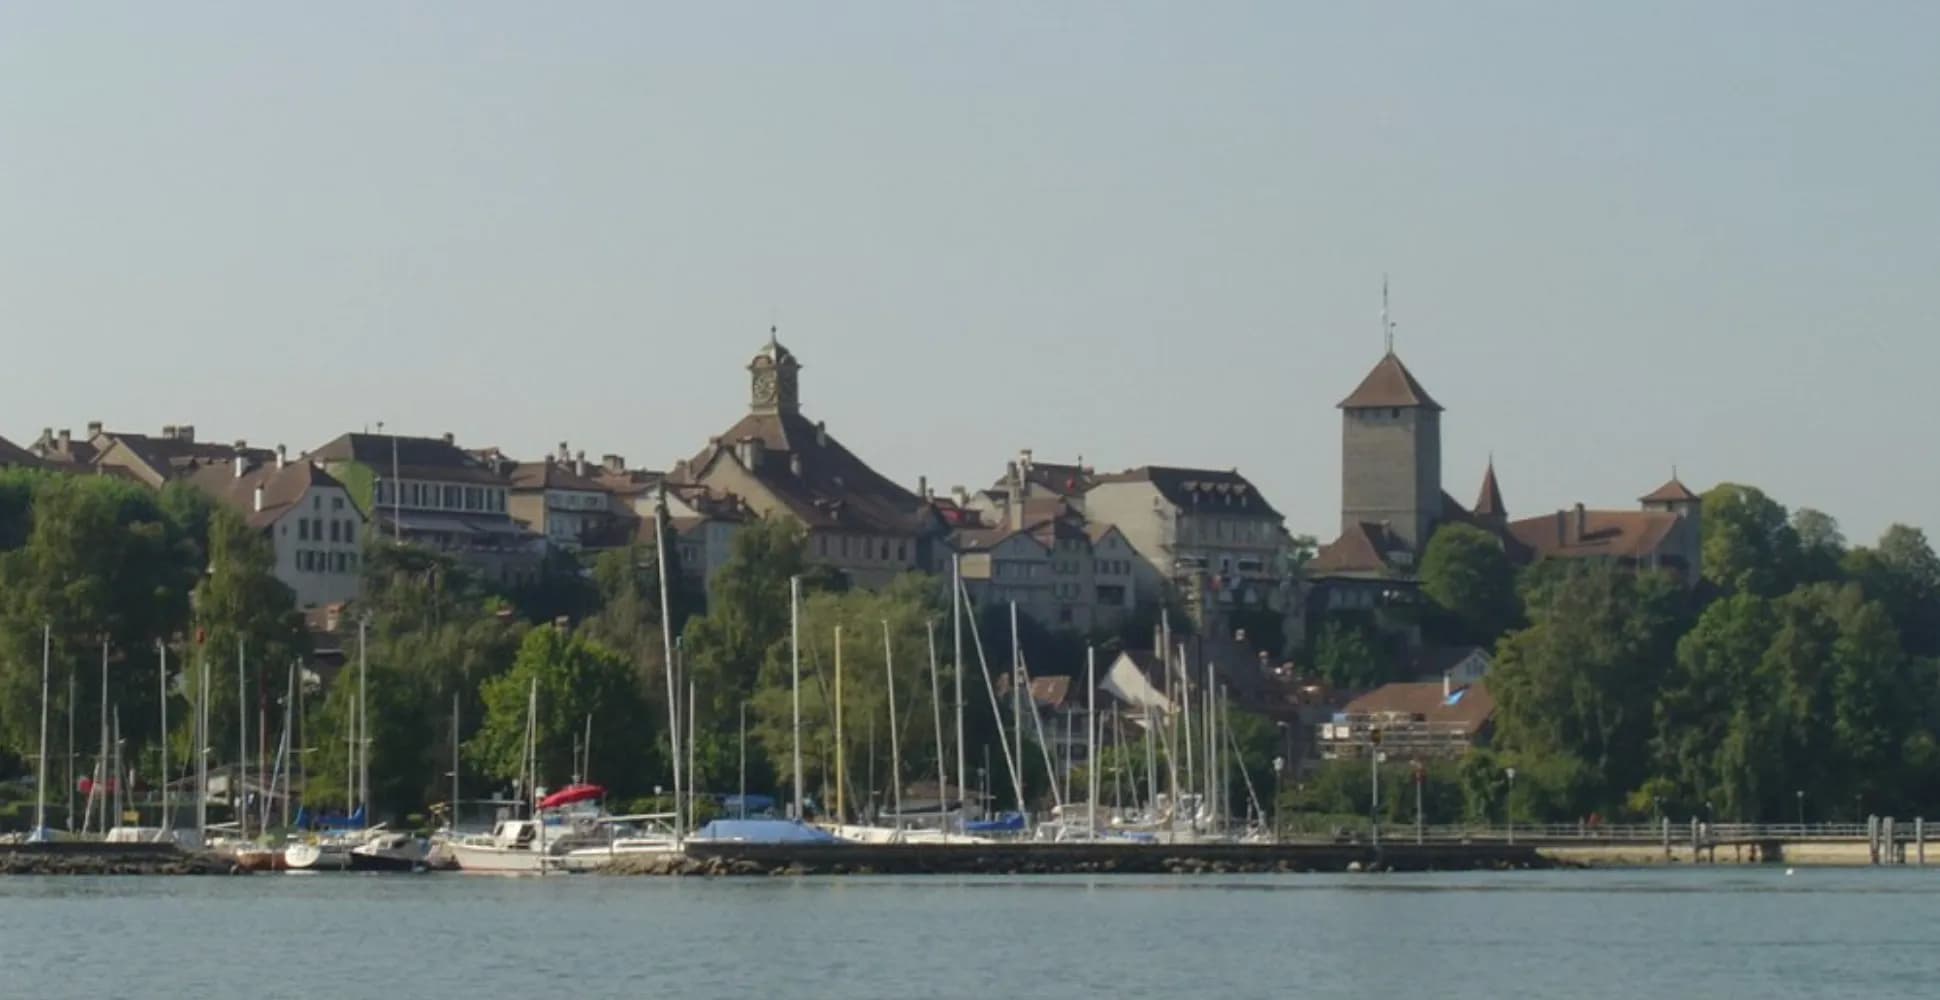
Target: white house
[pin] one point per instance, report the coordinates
(315, 529)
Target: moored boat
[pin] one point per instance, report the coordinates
(388, 852)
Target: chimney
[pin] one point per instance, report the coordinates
(1014, 504)
(168, 432)
(65, 439)
(579, 463)
(613, 463)
(923, 487)
(185, 433)
(1562, 528)
(565, 454)
(450, 438)
(1582, 522)
(282, 456)
(242, 458)
(821, 434)
(94, 429)
(259, 498)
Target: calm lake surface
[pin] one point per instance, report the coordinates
(1691, 933)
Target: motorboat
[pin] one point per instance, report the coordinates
(514, 847)
(326, 854)
(626, 836)
(388, 852)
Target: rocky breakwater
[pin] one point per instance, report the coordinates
(718, 859)
(82, 858)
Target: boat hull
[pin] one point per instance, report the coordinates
(361, 862)
(489, 860)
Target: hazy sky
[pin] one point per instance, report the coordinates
(1621, 236)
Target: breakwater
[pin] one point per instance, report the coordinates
(726, 858)
(95, 858)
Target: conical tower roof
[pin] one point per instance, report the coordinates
(1672, 492)
(1489, 503)
(1389, 385)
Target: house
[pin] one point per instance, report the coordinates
(1061, 570)
(1208, 532)
(430, 492)
(562, 500)
(315, 528)
(1412, 720)
(152, 460)
(780, 464)
(1666, 533)
(12, 456)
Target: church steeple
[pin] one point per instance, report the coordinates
(773, 378)
(1488, 505)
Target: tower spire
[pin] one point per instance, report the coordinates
(1387, 327)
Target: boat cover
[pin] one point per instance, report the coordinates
(764, 831)
(570, 794)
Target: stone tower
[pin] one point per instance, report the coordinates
(774, 379)
(1391, 454)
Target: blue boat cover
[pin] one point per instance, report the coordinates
(764, 831)
(754, 803)
(1005, 823)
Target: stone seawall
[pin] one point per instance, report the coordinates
(93, 858)
(1070, 859)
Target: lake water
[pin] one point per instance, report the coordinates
(1683, 933)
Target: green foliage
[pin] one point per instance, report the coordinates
(1581, 680)
(1749, 544)
(1345, 653)
(575, 679)
(1468, 577)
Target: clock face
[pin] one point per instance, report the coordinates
(764, 387)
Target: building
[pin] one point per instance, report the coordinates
(315, 528)
(152, 460)
(1415, 720)
(562, 500)
(430, 492)
(1208, 535)
(1665, 533)
(780, 464)
(12, 456)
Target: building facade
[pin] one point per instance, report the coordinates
(315, 528)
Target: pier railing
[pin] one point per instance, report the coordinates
(1615, 833)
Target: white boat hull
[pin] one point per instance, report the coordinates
(493, 860)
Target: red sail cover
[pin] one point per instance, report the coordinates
(570, 794)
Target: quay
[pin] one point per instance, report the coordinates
(1028, 858)
(81, 857)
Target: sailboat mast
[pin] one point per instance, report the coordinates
(290, 748)
(40, 778)
(202, 754)
(115, 788)
(936, 712)
(660, 522)
(363, 716)
(1017, 702)
(956, 627)
(161, 650)
(996, 714)
(895, 751)
(454, 762)
(795, 679)
(1091, 741)
(693, 781)
(237, 797)
(841, 768)
(101, 762)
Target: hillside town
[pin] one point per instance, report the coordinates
(1075, 549)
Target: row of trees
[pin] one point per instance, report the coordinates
(1800, 672)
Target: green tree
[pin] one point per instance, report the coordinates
(1749, 544)
(1902, 573)
(1579, 682)
(1822, 546)
(1468, 577)
(1712, 741)
(1345, 654)
(246, 622)
(575, 679)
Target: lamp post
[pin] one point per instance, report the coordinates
(1279, 768)
(1509, 806)
(1800, 794)
(1374, 787)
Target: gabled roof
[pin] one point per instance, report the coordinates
(1389, 385)
(1621, 534)
(1364, 548)
(1470, 707)
(551, 475)
(433, 459)
(1489, 503)
(169, 458)
(1062, 479)
(833, 489)
(282, 487)
(13, 455)
(1672, 492)
(1199, 489)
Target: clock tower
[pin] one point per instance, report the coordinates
(773, 379)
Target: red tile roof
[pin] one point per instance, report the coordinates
(1390, 384)
(282, 488)
(1622, 534)
(833, 488)
(1361, 549)
(1471, 707)
(1672, 492)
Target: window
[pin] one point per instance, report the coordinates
(302, 534)
(316, 502)
(902, 551)
(336, 503)
(454, 498)
(350, 531)
(335, 530)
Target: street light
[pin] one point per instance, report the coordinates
(1279, 767)
(1801, 797)
(1509, 805)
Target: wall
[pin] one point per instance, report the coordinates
(320, 570)
(1391, 470)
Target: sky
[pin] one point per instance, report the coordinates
(1619, 237)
